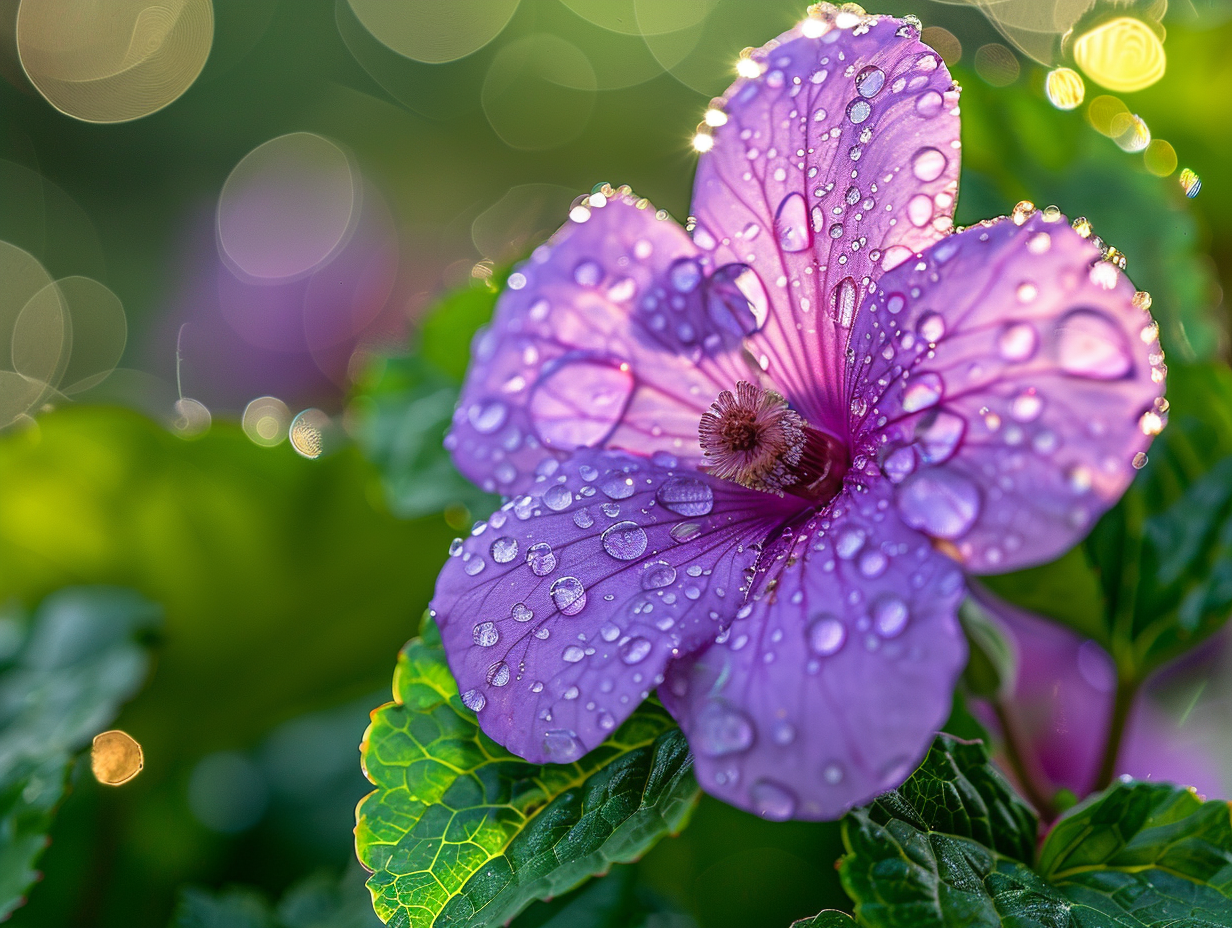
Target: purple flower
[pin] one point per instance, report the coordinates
(746, 466)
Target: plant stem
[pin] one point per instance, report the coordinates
(1024, 763)
(1122, 703)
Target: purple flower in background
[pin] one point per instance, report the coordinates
(745, 467)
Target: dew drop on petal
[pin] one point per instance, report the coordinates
(1027, 406)
(634, 650)
(658, 574)
(504, 550)
(870, 81)
(573, 654)
(1091, 345)
(920, 210)
(561, 745)
(569, 595)
(723, 730)
(922, 391)
(474, 700)
(736, 300)
(1017, 341)
(826, 635)
(890, 615)
(557, 497)
(617, 486)
(683, 531)
(686, 496)
(927, 164)
(858, 111)
(772, 800)
(843, 302)
(520, 613)
(498, 674)
(929, 103)
(588, 273)
(485, 634)
(577, 404)
(931, 327)
(625, 541)
(685, 274)
(940, 502)
(487, 417)
(541, 558)
(791, 224)
(583, 519)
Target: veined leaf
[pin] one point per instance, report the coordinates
(460, 832)
(1140, 855)
(63, 676)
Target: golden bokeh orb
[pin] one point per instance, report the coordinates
(115, 758)
(1122, 54)
(1065, 88)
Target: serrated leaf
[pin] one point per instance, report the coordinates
(64, 674)
(1140, 855)
(1154, 577)
(459, 832)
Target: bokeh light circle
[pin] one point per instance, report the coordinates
(539, 92)
(113, 61)
(266, 421)
(115, 758)
(434, 31)
(943, 42)
(311, 433)
(524, 217)
(192, 418)
(1160, 158)
(1122, 54)
(1065, 88)
(996, 64)
(288, 207)
(1130, 132)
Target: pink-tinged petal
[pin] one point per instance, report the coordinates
(1007, 381)
(831, 684)
(838, 161)
(561, 612)
(612, 335)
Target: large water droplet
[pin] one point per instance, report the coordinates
(625, 541)
(588, 273)
(569, 595)
(485, 634)
(939, 436)
(658, 574)
(577, 403)
(826, 635)
(722, 730)
(561, 745)
(488, 416)
(474, 700)
(931, 327)
(870, 81)
(843, 302)
(634, 650)
(858, 111)
(928, 104)
(617, 486)
(920, 210)
(791, 224)
(573, 654)
(498, 674)
(686, 496)
(541, 558)
(557, 497)
(1091, 345)
(927, 164)
(521, 613)
(889, 615)
(940, 502)
(504, 550)
(685, 274)
(1017, 341)
(684, 531)
(736, 300)
(772, 800)
(922, 391)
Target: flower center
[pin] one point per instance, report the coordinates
(751, 436)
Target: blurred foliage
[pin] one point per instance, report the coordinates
(461, 832)
(64, 673)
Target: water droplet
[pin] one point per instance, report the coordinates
(569, 595)
(573, 654)
(583, 519)
(474, 700)
(870, 81)
(927, 164)
(736, 300)
(723, 730)
(929, 103)
(686, 496)
(504, 550)
(683, 531)
(849, 543)
(1027, 406)
(922, 391)
(561, 745)
(485, 634)
(488, 416)
(772, 801)
(1091, 345)
(942, 503)
(833, 774)
(920, 210)
(520, 613)
(474, 565)
(605, 720)
(625, 541)
(940, 435)
(1139, 461)
(577, 403)
(826, 635)
(685, 274)
(617, 486)
(634, 650)
(931, 327)
(843, 302)
(588, 273)
(858, 111)
(791, 224)
(1017, 341)
(890, 615)
(541, 558)
(557, 497)
(498, 674)
(658, 574)
(873, 563)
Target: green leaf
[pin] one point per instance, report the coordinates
(459, 832)
(63, 677)
(613, 901)
(1154, 578)
(446, 333)
(830, 918)
(1141, 855)
(992, 664)
(320, 901)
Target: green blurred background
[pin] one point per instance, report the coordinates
(289, 583)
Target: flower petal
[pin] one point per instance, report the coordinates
(560, 613)
(831, 684)
(839, 160)
(1007, 380)
(604, 338)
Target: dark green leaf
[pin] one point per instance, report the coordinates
(63, 676)
(992, 665)
(830, 918)
(460, 832)
(446, 333)
(613, 901)
(1141, 855)
(320, 901)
